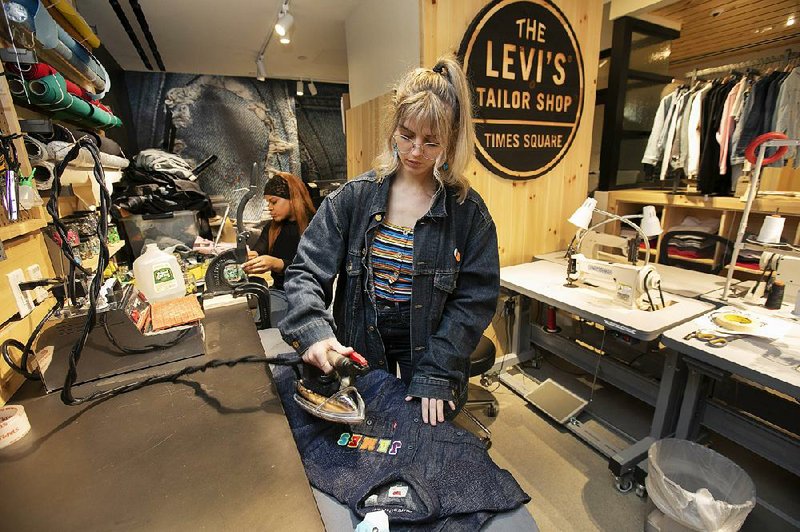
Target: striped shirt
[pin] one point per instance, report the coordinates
(392, 262)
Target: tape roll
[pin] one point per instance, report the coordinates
(735, 321)
(14, 425)
(750, 152)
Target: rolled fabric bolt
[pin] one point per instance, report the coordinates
(16, 86)
(50, 90)
(772, 229)
(43, 177)
(34, 71)
(37, 150)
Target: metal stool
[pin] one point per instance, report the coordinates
(481, 360)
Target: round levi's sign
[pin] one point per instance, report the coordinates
(526, 70)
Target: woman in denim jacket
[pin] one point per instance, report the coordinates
(414, 249)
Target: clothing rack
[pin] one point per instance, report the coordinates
(783, 58)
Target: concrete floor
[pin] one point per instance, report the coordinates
(569, 483)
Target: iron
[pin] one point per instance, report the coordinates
(333, 397)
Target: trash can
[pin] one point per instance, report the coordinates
(698, 487)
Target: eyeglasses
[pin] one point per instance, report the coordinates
(430, 150)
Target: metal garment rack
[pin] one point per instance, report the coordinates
(751, 196)
(783, 58)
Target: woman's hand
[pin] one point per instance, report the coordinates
(316, 355)
(433, 409)
(260, 264)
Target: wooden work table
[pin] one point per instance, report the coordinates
(212, 451)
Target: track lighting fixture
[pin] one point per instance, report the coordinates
(312, 89)
(261, 72)
(283, 27)
(299, 87)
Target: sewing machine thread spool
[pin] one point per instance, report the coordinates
(772, 229)
(551, 326)
(775, 297)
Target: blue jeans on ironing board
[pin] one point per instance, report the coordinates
(394, 326)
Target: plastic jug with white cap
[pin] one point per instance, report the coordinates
(158, 275)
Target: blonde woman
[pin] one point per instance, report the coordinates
(414, 249)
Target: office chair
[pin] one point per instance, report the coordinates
(722, 252)
(481, 360)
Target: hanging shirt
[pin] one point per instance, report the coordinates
(680, 151)
(787, 112)
(739, 106)
(675, 113)
(654, 149)
(752, 122)
(693, 132)
(709, 178)
(393, 262)
(725, 127)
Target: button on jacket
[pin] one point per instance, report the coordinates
(441, 476)
(455, 283)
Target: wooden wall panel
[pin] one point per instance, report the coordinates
(21, 252)
(363, 125)
(531, 216)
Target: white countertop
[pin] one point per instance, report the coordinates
(544, 281)
(775, 364)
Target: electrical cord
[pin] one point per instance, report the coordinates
(67, 397)
(26, 349)
(139, 350)
(292, 360)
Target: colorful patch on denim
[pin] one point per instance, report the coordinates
(368, 443)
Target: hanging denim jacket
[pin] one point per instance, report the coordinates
(423, 477)
(455, 283)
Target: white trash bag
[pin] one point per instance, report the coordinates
(698, 487)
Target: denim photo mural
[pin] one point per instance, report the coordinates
(234, 118)
(323, 150)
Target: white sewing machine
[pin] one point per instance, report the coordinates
(786, 268)
(636, 287)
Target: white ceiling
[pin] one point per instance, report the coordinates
(224, 37)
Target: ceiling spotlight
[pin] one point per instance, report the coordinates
(312, 89)
(299, 87)
(261, 72)
(285, 40)
(790, 20)
(285, 21)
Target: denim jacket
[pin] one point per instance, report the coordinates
(455, 283)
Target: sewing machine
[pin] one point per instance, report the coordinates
(631, 284)
(785, 268)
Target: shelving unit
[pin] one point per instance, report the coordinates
(672, 209)
(23, 240)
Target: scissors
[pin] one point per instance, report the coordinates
(712, 339)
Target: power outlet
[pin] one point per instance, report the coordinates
(24, 300)
(35, 274)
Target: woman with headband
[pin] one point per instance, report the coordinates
(291, 210)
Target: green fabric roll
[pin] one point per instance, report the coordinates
(54, 98)
(49, 90)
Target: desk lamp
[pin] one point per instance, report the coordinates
(631, 279)
(582, 217)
